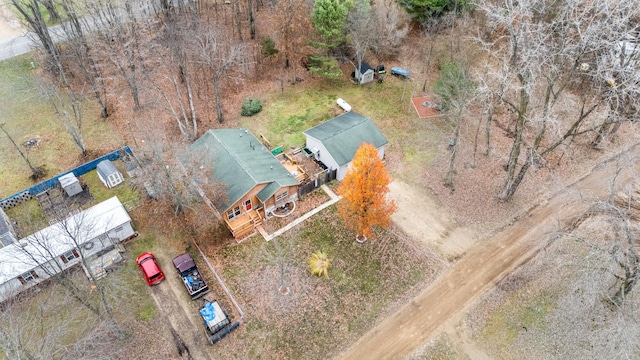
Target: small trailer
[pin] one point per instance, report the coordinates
(191, 277)
(216, 321)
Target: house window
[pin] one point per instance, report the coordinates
(233, 213)
(118, 229)
(247, 205)
(282, 196)
(28, 276)
(69, 255)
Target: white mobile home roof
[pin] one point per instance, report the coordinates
(87, 225)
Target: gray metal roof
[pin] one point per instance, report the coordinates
(343, 135)
(241, 162)
(106, 168)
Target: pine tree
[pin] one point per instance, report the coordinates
(364, 189)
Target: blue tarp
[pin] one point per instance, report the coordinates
(189, 281)
(208, 312)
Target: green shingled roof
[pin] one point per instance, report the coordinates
(344, 134)
(241, 162)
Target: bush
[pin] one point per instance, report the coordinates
(319, 263)
(251, 107)
(269, 47)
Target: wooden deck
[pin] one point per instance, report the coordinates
(244, 225)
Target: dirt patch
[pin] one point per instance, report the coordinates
(427, 222)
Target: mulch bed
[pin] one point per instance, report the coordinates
(425, 106)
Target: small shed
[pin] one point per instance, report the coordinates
(70, 184)
(364, 73)
(109, 174)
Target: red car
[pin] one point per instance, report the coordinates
(150, 269)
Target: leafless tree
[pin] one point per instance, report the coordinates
(121, 33)
(176, 87)
(67, 106)
(172, 172)
(79, 40)
(550, 69)
(390, 27)
(72, 230)
(294, 25)
(34, 21)
(457, 91)
(360, 30)
(223, 58)
(36, 172)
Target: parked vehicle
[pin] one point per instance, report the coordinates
(216, 321)
(400, 72)
(150, 268)
(191, 277)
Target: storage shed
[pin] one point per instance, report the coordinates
(109, 174)
(70, 184)
(364, 73)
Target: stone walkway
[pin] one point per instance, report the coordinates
(333, 199)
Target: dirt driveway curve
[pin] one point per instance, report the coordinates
(481, 267)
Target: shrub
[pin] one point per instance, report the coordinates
(251, 107)
(269, 47)
(319, 263)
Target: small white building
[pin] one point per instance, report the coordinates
(70, 184)
(364, 73)
(94, 233)
(109, 174)
(336, 141)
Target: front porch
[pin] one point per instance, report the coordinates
(244, 225)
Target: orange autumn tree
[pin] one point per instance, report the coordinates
(364, 193)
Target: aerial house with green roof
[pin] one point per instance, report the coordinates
(335, 142)
(255, 182)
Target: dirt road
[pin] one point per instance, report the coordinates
(482, 266)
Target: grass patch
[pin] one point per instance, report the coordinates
(127, 195)
(521, 312)
(29, 217)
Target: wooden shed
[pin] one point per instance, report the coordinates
(109, 174)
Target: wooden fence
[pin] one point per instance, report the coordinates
(320, 179)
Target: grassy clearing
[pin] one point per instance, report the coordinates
(27, 116)
(319, 315)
